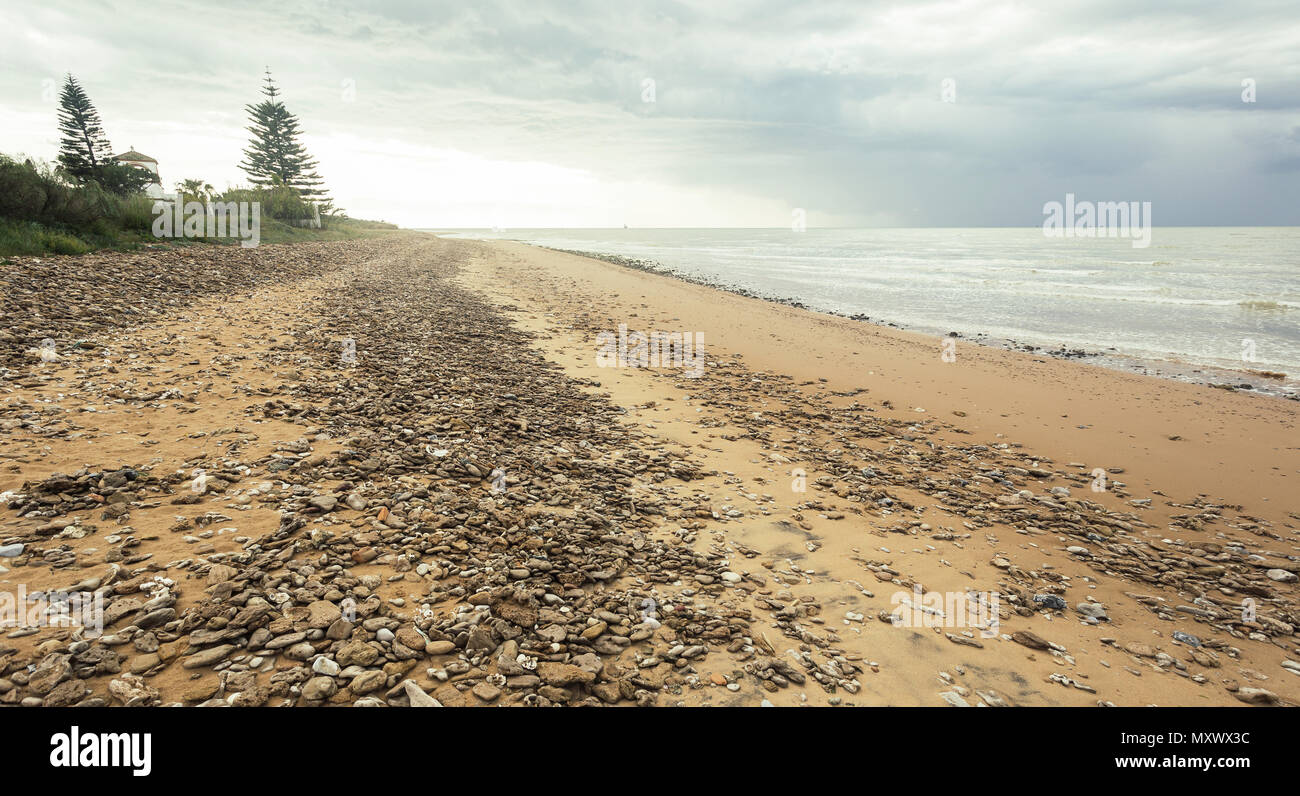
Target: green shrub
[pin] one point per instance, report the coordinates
(65, 244)
(279, 202)
(136, 213)
(29, 237)
(36, 192)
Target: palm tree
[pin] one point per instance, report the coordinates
(196, 188)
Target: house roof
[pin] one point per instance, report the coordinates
(131, 154)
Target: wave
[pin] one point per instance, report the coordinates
(1266, 306)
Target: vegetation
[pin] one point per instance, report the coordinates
(44, 211)
(274, 157)
(84, 151)
(90, 201)
(195, 189)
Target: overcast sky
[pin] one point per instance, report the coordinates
(528, 113)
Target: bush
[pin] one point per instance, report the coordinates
(120, 179)
(36, 192)
(29, 237)
(137, 214)
(279, 202)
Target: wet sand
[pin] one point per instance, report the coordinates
(1165, 441)
(917, 474)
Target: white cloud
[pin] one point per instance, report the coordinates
(528, 113)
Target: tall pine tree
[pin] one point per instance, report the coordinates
(274, 156)
(84, 148)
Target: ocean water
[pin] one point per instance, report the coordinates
(1226, 297)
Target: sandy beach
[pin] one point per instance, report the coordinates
(514, 523)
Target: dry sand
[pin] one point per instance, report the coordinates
(1171, 442)
(1182, 440)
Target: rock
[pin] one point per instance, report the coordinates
(53, 669)
(563, 674)
(322, 614)
(1282, 576)
(326, 667)
(66, 693)
(1255, 696)
(319, 688)
(323, 503)
(368, 681)
(1051, 602)
(356, 653)
(220, 573)
(131, 690)
(1028, 639)
(208, 656)
(1139, 649)
(439, 647)
(417, 696)
(1093, 610)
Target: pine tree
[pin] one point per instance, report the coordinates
(84, 148)
(274, 156)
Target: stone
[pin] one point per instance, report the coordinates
(131, 690)
(418, 698)
(322, 614)
(1028, 639)
(319, 688)
(325, 666)
(324, 503)
(1255, 696)
(356, 653)
(208, 656)
(563, 674)
(368, 681)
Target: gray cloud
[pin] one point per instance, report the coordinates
(831, 106)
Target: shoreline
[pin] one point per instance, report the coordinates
(1263, 383)
(237, 481)
(981, 460)
(1073, 410)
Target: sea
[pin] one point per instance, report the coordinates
(1197, 303)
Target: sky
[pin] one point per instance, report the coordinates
(590, 113)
